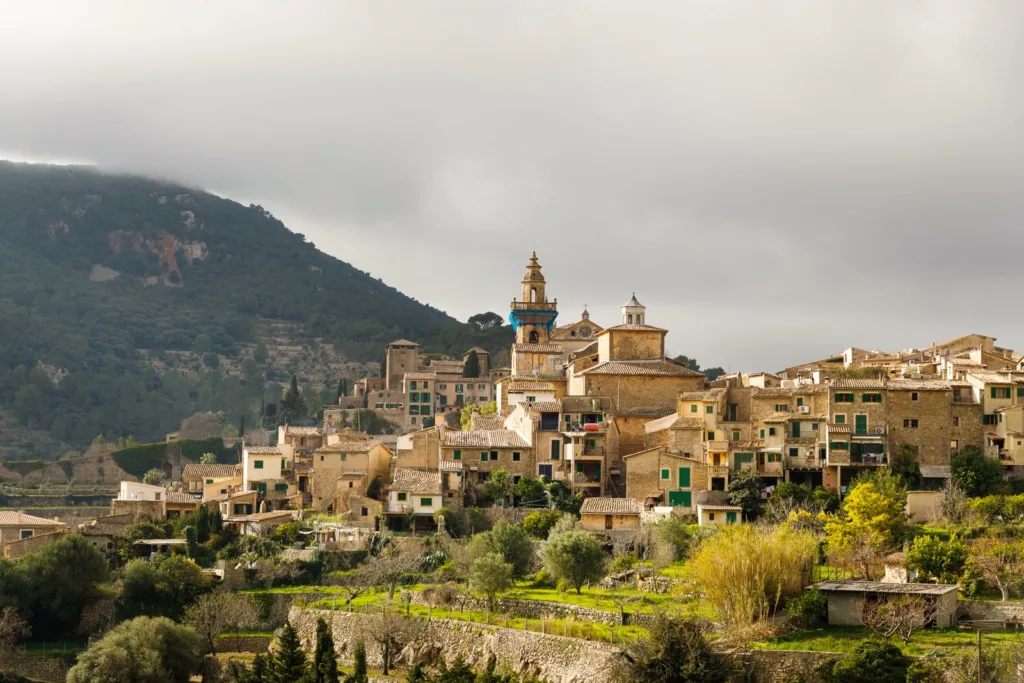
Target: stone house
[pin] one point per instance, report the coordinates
(259, 523)
(658, 476)
(485, 450)
(920, 416)
(421, 448)
(710, 514)
(413, 498)
(265, 468)
(846, 600)
(610, 514)
(16, 549)
(15, 525)
(196, 476)
(104, 532)
(348, 467)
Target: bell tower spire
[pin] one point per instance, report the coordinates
(533, 315)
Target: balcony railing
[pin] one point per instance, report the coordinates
(594, 450)
(869, 459)
(399, 508)
(802, 463)
(584, 478)
(839, 458)
(770, 468)
(718, 470)
(535, 305)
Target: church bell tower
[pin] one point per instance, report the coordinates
(533, 315)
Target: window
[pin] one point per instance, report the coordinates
(735, 436)
(794, 452)
(988, 419)
(282, 464)
(664, 475)
(781, 407)
(693, 407)
(25, 533)
(711, 516)
(799, 400)
(412, 420)
(711, 436)
(458, 388)
(481, 387)
(844, 398)
(913, 396)
(426, 502)
(412, 384)
(796, 430)
(684, 477)
(954, 445)
(284, 487)
(444, 386)
(257, 464)
(515, 456)
(401, 496)
(414, 409)
(1001, 392)
(209, 481)
(544, 471)
(814, 426)
(483, 456)
(426, 385)
(457, 455)
(364, 512)
(709, 410)
(1020, 392)
(494, 456)
(730, 517)
(762, 433)
(349, 485)
(839, 446)
(956, 421)
(871, 398)
(840, 418)
(910, 424)
(771, 431)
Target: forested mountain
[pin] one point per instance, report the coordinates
(128, 303)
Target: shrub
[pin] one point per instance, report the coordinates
(807, 608)
(542, 579)
(872, 661)
(622, 563)
(539, 524)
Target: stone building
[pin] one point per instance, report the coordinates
(15, 525)
(604, 515)
(485, 450)
(346, 468)
(661, 476)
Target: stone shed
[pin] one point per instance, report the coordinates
(610, 514)
(846, 599)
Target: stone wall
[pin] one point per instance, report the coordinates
(783, 666)
(556, 659)
(36, 667)
(535, 609)
(990, 610)
(933, 412)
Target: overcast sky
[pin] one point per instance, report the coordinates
(775, 181)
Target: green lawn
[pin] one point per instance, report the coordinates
(846, 638)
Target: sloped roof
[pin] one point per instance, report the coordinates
(610, 506)
(858, 384)
(416, 480)
(586, 404)
(181, 497)
(543, 406)
(19, 518)
(483, 438)
(707, 395)
(263, 450)
(520, 385)
(348, 446)
(879, 587)
(778, 417)
(201, 471)
(478, 421)
(674, 422)
(647, 412)
(632, 327)
(840, 429)
(538, 348)
(647, 368)
(403, 342)
(303, 431)
(772, 392)
(917, 385)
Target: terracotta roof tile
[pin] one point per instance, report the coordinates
(839, 429)
(858, 384)
(303, 431)
(483, 438)
(416, 480)
(647, 368)
(543, 407)
(772, 392)
(610, 506)
(918, 385)
(538, 348)
(490, 422)
(201, 471)
(708, 395)
(263, 450)
(16, 518)
(517, 386)
(633, 327)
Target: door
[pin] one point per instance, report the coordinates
(860, 424)
(684, 477)
(556, 449)
(730, 517)
(796, 430)
(545, 471)
(607, 522)
(680, 499)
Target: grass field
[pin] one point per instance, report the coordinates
(846, 638)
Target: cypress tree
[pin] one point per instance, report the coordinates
(359, 673)
(472, 366)
(289, 661)
(325, 661)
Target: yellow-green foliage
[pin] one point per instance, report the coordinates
(745, 572)
(999, 508)
(868, 514)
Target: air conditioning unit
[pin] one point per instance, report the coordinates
(879, 430)
(805, 409)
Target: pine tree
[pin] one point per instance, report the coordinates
(325, 661)
(341, 390)
(472, 366)
(241, 427)
(293, 406)
(359, 673)
(289, 662)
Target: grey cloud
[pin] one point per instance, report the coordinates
(776, 181)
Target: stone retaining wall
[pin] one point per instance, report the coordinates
(783, 666)
(541, 609)
(990, 610)
(229, 643)
(554, 658)
(36, 667)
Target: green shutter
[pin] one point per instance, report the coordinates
(483, 457)
(684, 477)
(458, 455)
(664, 474)
(693, 408)
(687, 499)
(993, 391)
(730, 517)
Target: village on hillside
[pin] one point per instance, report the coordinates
(595, 511)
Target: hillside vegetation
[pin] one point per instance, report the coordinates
(127, 304)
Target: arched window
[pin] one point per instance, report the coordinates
(629, 319)
(533, 294)
(534, 337)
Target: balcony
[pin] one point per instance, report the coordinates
(839, 458)
(584, 479)
(772, 469)
(718, 445)
(399, 508)
(595, 451)
(718, 470)
(535, 305)
(803, 463)
(584, 429)
(869, 459)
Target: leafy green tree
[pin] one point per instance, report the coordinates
(975, 473)
(260, 355)
(210, 458)
(937, 560)
(574, 556)
(359, 669)
(513, 545)
(530, 490)
(745, 491)
(289, 661)
(500, 486)
(676, 537)
(870, 662)
(153, 477)
(828, 500)
(787, 490)
(486, 321)
(152, 650)
(63, 577)
(675, 651)
(490, 575)
(539, 524)
(471, 368)
(872, 521)
(325, 660)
